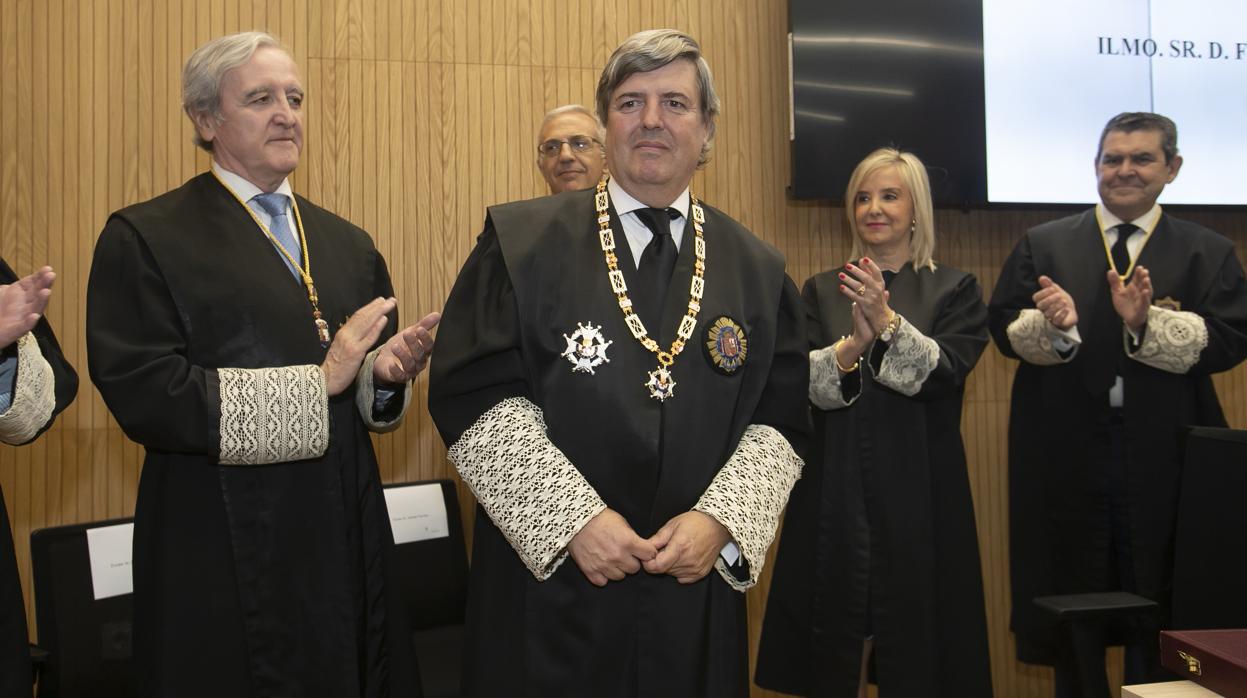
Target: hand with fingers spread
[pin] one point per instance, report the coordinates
(607, 549)
(688, 546)
(865, 281)
(1131, 300)
(22, 304)
(352, 343)
(1056, 304)
(406, 354)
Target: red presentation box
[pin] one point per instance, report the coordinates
(1214, 659)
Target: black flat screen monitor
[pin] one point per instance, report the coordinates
(902, 73)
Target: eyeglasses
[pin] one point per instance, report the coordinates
(579, 144)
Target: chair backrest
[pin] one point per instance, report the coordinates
(88, 640)
(1210, 552)
(432, 572)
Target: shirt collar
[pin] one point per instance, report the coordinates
(625, 203)
(1147, 222)
(245, 189)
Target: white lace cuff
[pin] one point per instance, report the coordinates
(1030, 338)
(908, 360)
(34, 394)
(1172, 342)
(749, 493)
(530, 490)
(273, 415)
(825, 390)
(366, 396)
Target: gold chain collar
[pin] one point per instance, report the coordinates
(696, 289)
(304, 269)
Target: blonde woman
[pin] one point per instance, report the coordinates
(878, 576)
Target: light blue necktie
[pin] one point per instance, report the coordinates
(274, 205)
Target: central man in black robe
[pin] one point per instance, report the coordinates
(621, 379)
(261, 538)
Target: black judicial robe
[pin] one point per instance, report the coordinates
(879, 538)
(15, 677)
(1058, 538)
(537, 270)
(253, 580)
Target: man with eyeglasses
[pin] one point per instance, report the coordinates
(570, 150)
(624, 388)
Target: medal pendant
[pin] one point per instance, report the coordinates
(322, 332)
(660, 384)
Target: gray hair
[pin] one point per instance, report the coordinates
(1130, 121)
(651, 50)
(207, 66)
(599, 131)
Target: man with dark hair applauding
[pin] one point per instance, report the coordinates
(1119, 316)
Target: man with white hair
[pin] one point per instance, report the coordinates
(622, 380)
(245, 337)
(571, 151)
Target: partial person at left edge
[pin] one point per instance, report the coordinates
(247, 339)
(36, 383)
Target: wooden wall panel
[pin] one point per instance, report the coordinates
(419, 115)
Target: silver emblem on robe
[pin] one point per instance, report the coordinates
(586, 348)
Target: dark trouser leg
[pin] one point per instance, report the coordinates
(1142, 662)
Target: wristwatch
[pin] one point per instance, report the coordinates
(889, 330)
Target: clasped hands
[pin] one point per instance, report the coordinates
(400, 359)
(1130, 300)
(607, 549)
(863, 284)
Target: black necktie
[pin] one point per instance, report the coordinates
(657, 263)
(1119, 253)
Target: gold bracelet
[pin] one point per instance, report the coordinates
(835, 355)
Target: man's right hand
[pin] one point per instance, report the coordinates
(608, 549)
(352, 343)
(1055, 304)
(22, 304)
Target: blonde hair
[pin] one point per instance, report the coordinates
(914, 174)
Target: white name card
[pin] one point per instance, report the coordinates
(110, 549)
(417, 512)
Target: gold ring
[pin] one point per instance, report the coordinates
(861, 290)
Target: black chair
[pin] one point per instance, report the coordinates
(433, 579)
(1087, 623)
(1210, 552)
(88, 642)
